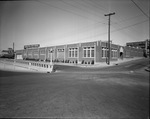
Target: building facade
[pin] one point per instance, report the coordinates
(80, 53)
(145, 45)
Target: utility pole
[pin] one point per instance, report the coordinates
(109, 35)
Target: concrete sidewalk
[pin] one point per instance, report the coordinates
(102, 64)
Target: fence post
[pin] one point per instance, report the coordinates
(29, 65)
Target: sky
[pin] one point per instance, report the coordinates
(58, 22)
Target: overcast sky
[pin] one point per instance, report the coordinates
(56, 22)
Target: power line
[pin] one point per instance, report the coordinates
(98, 5)
(129, 26)
(100, 34)
(82, 9)
(50, 5)
(119, 29)
(140, 9)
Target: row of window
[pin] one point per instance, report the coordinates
(105, 51)
(88, 52)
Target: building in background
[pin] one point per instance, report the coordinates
(7, 53)
(145, 45)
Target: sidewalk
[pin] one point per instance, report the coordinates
(101, 64)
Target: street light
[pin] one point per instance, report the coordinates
(51, 51)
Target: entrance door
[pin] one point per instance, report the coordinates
(121, 52)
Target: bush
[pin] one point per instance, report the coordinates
(47, 60)
(76, 61)
(65, 61)
(92, 62)
(82, 62)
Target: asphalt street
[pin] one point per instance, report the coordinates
(120, 91)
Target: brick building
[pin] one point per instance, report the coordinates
(145, 45)
(81, 53)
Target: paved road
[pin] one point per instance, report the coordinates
(116, 92)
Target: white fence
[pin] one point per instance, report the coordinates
(12, 64)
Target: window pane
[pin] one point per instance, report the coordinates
(43, 51)
(102, 52)
(69, 53)
(112, 55)
(84, 53)
(92, 53)
(76, 53)
(72, 53)
(105, 53)
(116, 54)
(88, 53)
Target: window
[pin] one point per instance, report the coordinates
(104, 52)
(60, 53)
(69, 53)
(84, 52)
(114, 53)
(76, 52)
(92, 51)
(35, 52)
(88, 52)
(42, 51)
(73, 52)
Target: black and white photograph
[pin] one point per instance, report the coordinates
(74, 59)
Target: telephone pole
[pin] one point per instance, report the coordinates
(109, 35)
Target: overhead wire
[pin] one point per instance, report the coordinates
(82, 9)
(139, 8)
(70, 33)
(123, 21)
(50, 5)
(116, 30)
(95, 4)
(119, 29)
